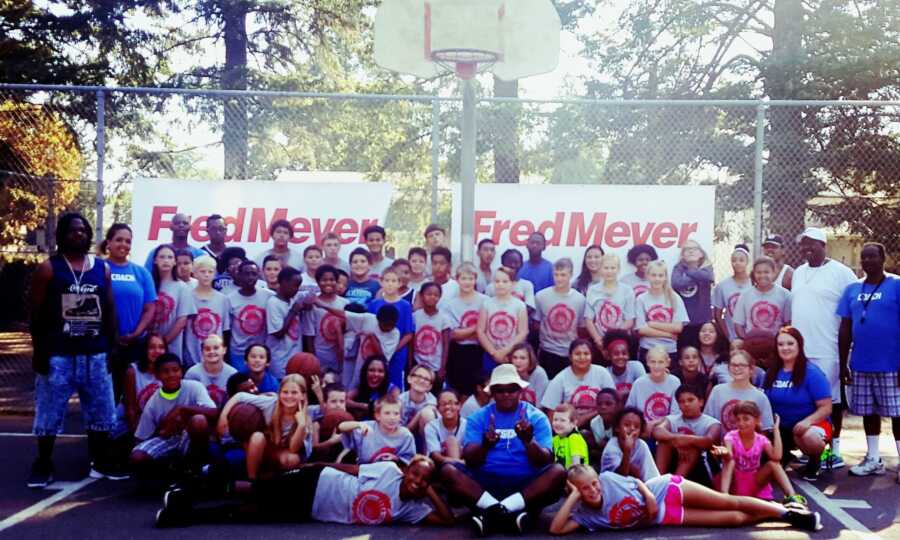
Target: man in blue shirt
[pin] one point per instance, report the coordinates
(181, 229)
(870, 325)
(537, 270)
(507, 449)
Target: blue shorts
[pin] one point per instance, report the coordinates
(501, 486)
(86, 374)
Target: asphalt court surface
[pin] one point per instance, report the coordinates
(852, 508)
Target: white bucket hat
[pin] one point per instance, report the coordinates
(506, 374)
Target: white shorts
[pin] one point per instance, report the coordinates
(832, 369)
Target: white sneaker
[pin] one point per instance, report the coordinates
(868, 466)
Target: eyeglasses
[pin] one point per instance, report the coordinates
(420, 377)
(742, 366)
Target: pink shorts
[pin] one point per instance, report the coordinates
(674, 501)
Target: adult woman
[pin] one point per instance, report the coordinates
(801, 394)
(639, 257)
(590, 269)
(725, 396)
(692, 279)
(134, 294)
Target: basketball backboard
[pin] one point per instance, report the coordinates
(513, 38)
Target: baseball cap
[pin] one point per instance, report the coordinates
(814, 233)
(775, 239)
(506, 374)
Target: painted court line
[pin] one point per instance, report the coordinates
(63, 436)
(68, 488)
(833, 507)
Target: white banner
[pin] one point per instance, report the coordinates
(250, 207)
(573, 217)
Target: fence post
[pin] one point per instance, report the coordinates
(758, 178)
(101, 158)
(435, 156)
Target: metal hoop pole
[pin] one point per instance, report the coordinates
(467, 172)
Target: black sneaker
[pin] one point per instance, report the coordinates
(41, 475)
(810, 521)
(477, 522)
(166, 518)
(109, 471)
(811, 470)
(520, 522)
(177, 501)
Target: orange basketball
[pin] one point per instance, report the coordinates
(761, 348)
(330, 422)
(244, 420)
(304, 364)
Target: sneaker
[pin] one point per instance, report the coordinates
(811, 471)
(178, 501)
(802, 460)
(520, 522)
(166, 518)
(810, 521)
(834, 461)
(795, 501)
(477, 522)
(868, 466)
(109, 471)
(41, 475)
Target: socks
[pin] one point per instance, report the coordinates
(836, 446)
(486, 501)
(872, 446)
(514, 503)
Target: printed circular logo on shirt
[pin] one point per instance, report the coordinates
(659, 313)
(501, 326)
(206, 322)
(609, 315)
(384, 454)
(371, 507)
(626, 513)
(732, 302)
(688, 292)
(216, 394)
(370, 346)
(294, 329)
(764, 315)
(584, 397)
(640, 289)
(727, 415)
(529, 396)
(427, 339)
(330, 328)
(146, 393)
(251, 319)
(165, 305)
(561, 318)
(469, 319)
(657, 406)
(684, 430)
(623, 387)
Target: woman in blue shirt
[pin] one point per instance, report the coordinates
(801, 395)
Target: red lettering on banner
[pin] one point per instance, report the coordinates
(158, 222)
(198, 229)
(617, 234)
(520, 231)
(318, 233)
(686, 230)
(346, 229)
(238, 223)
(481, 215)
(589, 236)
(664, 235)
(301, 230)
(259, 224)
(641, 237)
(552, 230)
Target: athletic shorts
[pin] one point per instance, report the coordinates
(832, 370)
(875, 393)
(86, 374)
(673, 512)
(552, 363)
(501, 486)
(164, 447)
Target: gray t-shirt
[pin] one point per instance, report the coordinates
(216, 384)
(637, 284)
(502, 320)
(537, 385)
(633, 371)
(192, 393)
(651, 307)
(581, 392)
(409, 408)
(470, 407)
(464, 314)
(173, 301)
(378, 268)
(560, 315)
(725, 298)
(721, 375)
(281, 349)
(657, 400)
(428, 344)
(691, 426)
(372, 497)
(641, 458)
(763, 313)
(622, 506)
(248, 319)
(378, 446)
(723, 398)
(212, 317)
(373, 340)
(522, 289)
(610, 310)
(292, 258)
(327, 329)
(436, 435)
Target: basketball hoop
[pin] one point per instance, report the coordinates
(466, 63)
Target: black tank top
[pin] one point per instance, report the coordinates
(74, 307)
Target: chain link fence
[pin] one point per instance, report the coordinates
(777, 166)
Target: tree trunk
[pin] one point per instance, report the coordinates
(234, 77)
(787, 182)
(506, 134)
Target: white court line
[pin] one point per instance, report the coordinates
(831, 506)
(68, 488)
(63, 436)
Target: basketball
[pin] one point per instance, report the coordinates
(330, 422)
(761, 348)
(304, 364)
(244, 420)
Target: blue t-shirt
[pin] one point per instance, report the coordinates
(508, 456)
(362, 293)
(540, 275)
(405, 324)
(876, 342)
(132, 287)
(148, 264)
(268, 383)
(793, 404)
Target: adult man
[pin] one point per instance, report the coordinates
(773, 246)
(818, 285)
(281, 233)
(73, 329)
(870, 324)
(215, 230)
(486, 252)
(375, 236)
(537, 270)
(509, 470)
(181, 228)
